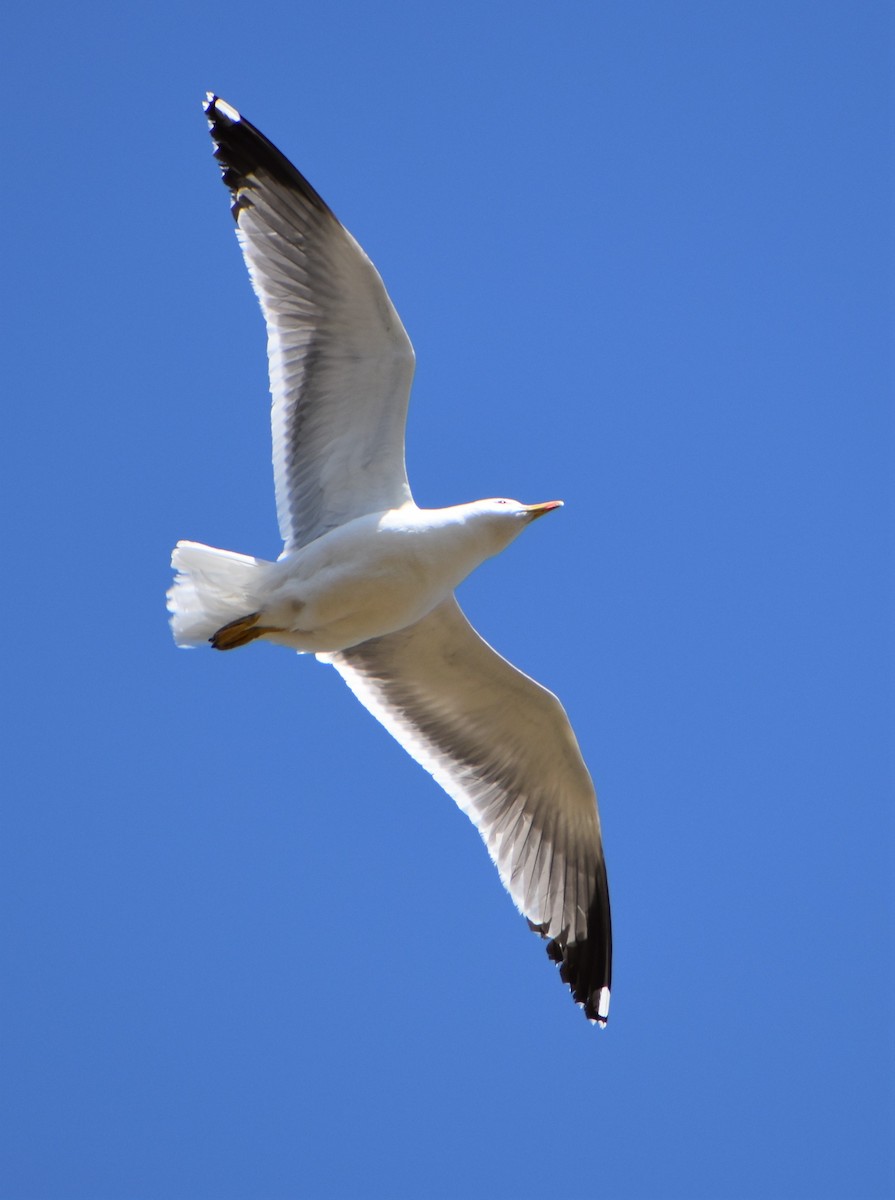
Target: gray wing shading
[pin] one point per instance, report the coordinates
(502, 747)
(340, 361)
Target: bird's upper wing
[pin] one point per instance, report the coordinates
(341, 363)
(502, 746)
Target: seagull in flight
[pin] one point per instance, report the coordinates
(366, 578)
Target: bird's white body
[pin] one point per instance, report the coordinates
(366, 579)
(372, 576)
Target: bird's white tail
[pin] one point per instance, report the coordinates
(211, 589)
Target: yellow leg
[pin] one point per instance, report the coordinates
(240, 632)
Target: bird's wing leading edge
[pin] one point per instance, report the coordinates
(341, 363)
(502, 747)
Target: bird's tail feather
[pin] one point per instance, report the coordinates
(212, 588)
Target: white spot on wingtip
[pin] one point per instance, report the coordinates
(227, 110)
(603, 1006)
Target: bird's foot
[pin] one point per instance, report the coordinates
(240, 632)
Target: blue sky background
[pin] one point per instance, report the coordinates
(251, 951)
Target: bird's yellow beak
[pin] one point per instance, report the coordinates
(537, 510)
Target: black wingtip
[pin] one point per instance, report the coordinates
(242, 151)
(586, 966)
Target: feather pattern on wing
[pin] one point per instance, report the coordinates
(502, 747)
(340, 361)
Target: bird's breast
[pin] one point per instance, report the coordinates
(360, 582)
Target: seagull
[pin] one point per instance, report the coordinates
(366, 578)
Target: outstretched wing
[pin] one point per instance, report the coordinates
(340, 361)
(502, 747)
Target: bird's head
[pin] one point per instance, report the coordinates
(502, 520)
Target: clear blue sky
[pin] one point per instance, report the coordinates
(251, 950)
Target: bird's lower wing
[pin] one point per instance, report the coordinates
(502, 747)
